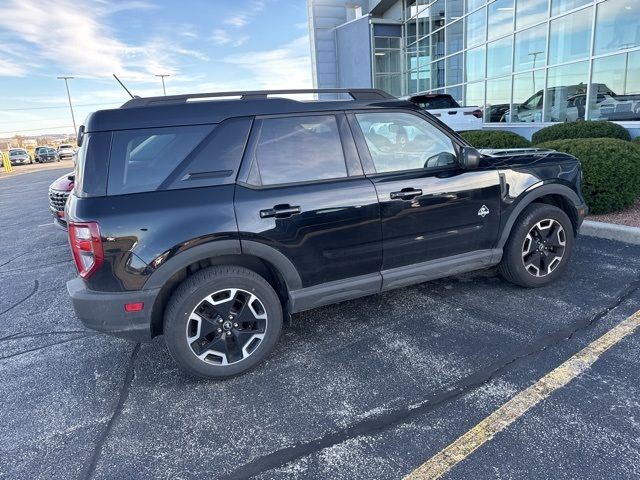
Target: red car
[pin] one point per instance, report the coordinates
(59, 191)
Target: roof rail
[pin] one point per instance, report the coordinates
(355, 93)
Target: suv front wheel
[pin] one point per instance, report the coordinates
(539, 247)
(222, 321)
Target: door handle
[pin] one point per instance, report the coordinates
(406, 194)
(280, 211)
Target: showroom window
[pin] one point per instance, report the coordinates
(530, 48)
(530, 12)
(500, 18)
(570, 37)
(561, 6)
(528, 93)
(615, 88)
(564, 84)
(617, 25)
(499, 57)
(475, 64)
(498, 99)
(476, 24)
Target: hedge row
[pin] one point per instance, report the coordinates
(568, 130)
(495, 139)
(611, 169)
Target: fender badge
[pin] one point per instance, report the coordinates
(484, 211)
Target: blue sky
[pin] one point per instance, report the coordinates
(205, 46)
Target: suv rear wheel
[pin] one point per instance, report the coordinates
(222, 321)
(539, 247)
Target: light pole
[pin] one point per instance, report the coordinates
(533, 73)
(73, 118)
(164, 90)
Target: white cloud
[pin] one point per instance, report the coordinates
(288, 66)
(79, 41)
(237, 20)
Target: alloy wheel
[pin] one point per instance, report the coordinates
(543, 247)
(226, 327)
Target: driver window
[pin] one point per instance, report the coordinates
(402, 141)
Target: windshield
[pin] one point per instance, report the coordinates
(51, 150)
(61, 147)
(17, 152)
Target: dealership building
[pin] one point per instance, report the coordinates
(528, 63)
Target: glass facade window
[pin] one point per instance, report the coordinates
(570, 37)
(530, 12)
(437, 44)
(617, 25)
(454, 37)
(388, 64)
(520, 60)
(474, 94)
(561, 6)
(475, 64)
(530, 48)
(500, 18)
(566, 92)
(473, 4)
(498, 99)
(499, 57)
(615, 87)
(528, 93)
(476, 24)
(454, 69)
(437, 14)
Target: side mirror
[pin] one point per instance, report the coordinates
(469, 158)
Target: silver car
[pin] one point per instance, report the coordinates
(19, 156)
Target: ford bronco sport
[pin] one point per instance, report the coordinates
(210, 217)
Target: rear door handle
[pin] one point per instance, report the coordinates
(280, 211)
(406, 194)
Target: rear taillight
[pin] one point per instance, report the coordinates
(86, 246)
(475, 113)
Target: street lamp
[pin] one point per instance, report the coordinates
(162, 77)
(533, 74)
(73, 118)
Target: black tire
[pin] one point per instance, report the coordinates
(512, 267)
(191, 294)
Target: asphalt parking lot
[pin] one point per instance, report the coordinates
(370, 388)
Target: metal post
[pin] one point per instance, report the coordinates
(73, 118)
(164, 90)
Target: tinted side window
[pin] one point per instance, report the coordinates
(299, 149)
(142, 159)
(402, 141)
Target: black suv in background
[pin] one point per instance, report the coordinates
(209, 221)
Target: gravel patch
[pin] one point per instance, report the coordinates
(629, 216)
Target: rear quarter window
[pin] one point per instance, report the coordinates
(142, 159)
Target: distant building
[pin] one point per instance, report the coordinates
(528, 63)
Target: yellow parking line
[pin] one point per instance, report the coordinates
(508, 413)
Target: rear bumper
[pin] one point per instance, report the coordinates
(104, 311)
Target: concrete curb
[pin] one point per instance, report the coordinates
(611, 231)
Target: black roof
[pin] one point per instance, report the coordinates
(176, 110)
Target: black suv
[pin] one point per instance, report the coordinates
(208, 219)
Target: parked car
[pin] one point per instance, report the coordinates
(65, 151)
(212, 233)
(59, 192)
(36, 152)
(447, 110)
(46, 155)
(19, 156)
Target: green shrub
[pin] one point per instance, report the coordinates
(496, 139)
(611, 169)
(637, 140)
(565, 131)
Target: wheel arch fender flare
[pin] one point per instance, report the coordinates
(219, 248)
(534, 193)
